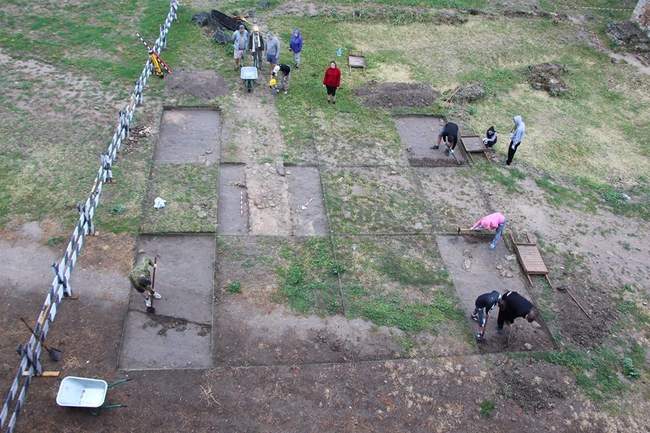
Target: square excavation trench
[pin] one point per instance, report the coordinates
(473, 268)
(418, 135)
(178, 335)
(306, 201)
(232, 216)
(188, 136)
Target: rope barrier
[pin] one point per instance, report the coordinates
(60, 287)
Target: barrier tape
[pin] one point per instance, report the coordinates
(30, 353)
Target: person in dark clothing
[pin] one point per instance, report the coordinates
(448, 134)
(256, 46)
(511, 306)
(285, 71)
(490, 137)
(482, 307)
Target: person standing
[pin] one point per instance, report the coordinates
(256, 46)
(141, 280)
(518, 133)
(240, 44)
(482, 307)
(332, 81)
(490, 137)
(511, 306)
(272, 50)
(295, 46)
(495, 221)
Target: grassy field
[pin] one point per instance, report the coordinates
(593, 139)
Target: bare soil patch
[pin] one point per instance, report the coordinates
(475, 269)
(188, 135)
(178, 335)
(306, 201)
(419, 134)
(205, 85)
(395, 95)
(233, 200)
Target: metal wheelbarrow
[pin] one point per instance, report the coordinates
(248, 75)
(86, 393)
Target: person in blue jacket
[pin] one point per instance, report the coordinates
(295, 46)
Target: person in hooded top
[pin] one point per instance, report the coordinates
(518, 133)
(482, 307)
(490, 137)
(295, 46)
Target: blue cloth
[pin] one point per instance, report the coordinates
(240, 40)
(520, 130)
(296, 41)
(497, 235)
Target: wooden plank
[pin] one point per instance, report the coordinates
(473, 144)
(532, 260)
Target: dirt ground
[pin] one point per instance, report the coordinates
(227, 354)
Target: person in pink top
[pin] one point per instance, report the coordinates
(495, 221)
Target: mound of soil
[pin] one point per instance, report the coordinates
(389, 95)
(200, 84)
(469, 93)
(546, 76)
(629, 36)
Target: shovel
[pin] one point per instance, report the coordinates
(55, 354)
(567, 290)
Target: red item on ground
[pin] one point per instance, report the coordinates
(332, 77)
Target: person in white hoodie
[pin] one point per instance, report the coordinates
(518, 133)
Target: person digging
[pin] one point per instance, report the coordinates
(495, 221)
(142, 279)
(512, 306)
(448, 135)
(482, 307)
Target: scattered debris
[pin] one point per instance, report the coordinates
(629, 36)
(159, 203)
(468, 93)
(389, 95)
(528, 346)
(304, 206)
(546, 76)
(279, 168)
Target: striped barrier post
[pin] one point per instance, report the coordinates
(30, 353)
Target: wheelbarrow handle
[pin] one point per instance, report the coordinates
(118, 382)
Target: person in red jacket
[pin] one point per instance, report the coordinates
(332, 81)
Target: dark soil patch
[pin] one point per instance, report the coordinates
(233, 200)
(418, 135)
(395, 95)
(205, 85)
(533, 386)
(469, 93)
(306, 200)
(188, 135)
(629, 35)
(547, 76)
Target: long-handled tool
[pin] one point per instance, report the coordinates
(452, 153)
(152, 309)
(55, 354)
(567, 290)
(156, 60)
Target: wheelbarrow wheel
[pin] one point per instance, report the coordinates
(249, 85)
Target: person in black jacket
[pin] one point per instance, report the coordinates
(490, 137)
(511, 306)
(482, 307)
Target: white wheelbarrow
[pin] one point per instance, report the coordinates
(86, 393)
(248, 75)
